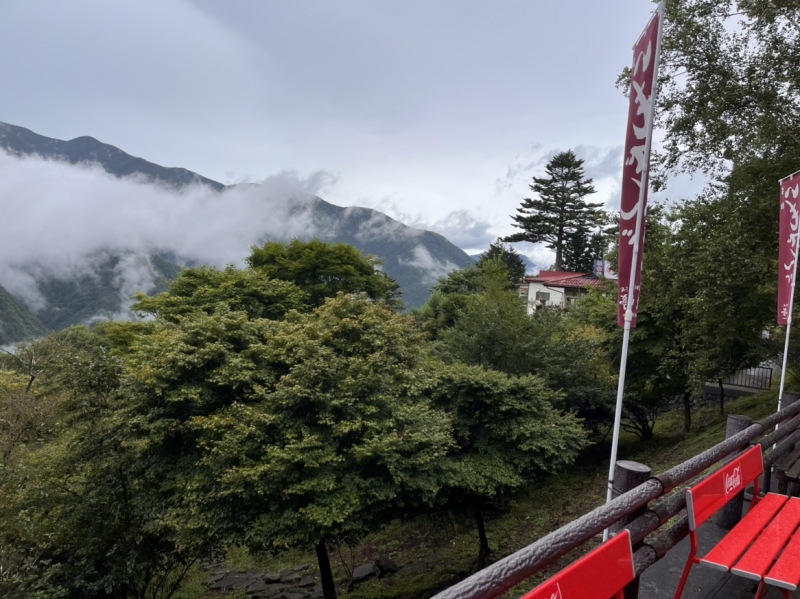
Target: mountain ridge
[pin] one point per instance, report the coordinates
(413, 257)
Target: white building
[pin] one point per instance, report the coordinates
(556, 288)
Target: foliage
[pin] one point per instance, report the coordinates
(560, 209)
(513, 262)
(246, 290)
(323, 269)
(78, 515)
(506, 431)
(289, 434)
(729, 84)
(450, 295)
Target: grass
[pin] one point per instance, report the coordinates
(436, 550)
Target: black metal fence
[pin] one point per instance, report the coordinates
(755, 378)
(646, 533)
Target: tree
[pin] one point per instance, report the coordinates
(493, 329)
(323, 269)
(578, 253)
(79, 516)
(515, 265)
(205, 288)
(560, 208)
(507, 433)
(450, 295)
(729, 85)
(288, 434)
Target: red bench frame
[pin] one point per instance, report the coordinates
(600, 574)
(750, 549)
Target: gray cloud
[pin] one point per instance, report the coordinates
(462, 228)
(63, 221)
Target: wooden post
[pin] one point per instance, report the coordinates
(628, 475)
(731, 514)
(788, 399)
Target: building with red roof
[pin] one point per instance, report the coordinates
(556, 288)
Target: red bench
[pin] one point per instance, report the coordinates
(600, 574)
(765, 545)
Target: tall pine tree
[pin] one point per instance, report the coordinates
(560, 209)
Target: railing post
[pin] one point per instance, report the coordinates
(788, 399)
(628, 475)
(730, 515)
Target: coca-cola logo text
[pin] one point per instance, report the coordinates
(733, 480)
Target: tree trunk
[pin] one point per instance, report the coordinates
(559, 250)
(483, 552)
(687, 411)
(721, 398)
(325, 572)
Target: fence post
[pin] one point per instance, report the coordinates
(628, 475)
(788, 399)
(730, 515)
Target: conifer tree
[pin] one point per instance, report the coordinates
(560, 209)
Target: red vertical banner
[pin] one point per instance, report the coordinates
(787, 248)
(636, 167)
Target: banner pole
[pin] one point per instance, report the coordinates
(638, 240)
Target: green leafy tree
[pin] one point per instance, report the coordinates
(729, 85)
(493, 329)
(560, 208)
(249, 290)
(507, 433)
(324, 269)
(78, 515)
(515, 265)
(289, 434)
(450, 295)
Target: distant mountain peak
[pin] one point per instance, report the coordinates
(20, 141)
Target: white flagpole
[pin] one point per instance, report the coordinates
(634, 263)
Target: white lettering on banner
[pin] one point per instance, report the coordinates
(557, 594)
(794, 224)
(733, 480)
(637, 153)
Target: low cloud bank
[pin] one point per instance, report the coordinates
(60, 220)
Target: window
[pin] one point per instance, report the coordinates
(542, 296)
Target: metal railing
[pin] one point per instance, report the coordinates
(758, 377)
(515, 568)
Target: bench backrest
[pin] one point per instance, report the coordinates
(600, 574)
(709, 495)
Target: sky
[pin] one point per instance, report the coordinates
(435, 112)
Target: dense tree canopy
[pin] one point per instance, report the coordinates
(324, 269)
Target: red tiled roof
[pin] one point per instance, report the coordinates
(565, 279)
(556, 274)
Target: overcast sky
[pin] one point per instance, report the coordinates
(437, 112)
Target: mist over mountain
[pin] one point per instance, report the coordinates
(86, 225)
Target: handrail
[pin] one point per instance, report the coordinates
(513, 569)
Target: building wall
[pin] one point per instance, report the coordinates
(556, 295)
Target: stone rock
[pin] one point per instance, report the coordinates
(271, 577)
(303, 568)
(215, 577)
(365, 572)
(223, 583)
(271, 590)
(385, 564)
(306, 582)
(290, 577)
(258, 585)
(292, 596)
